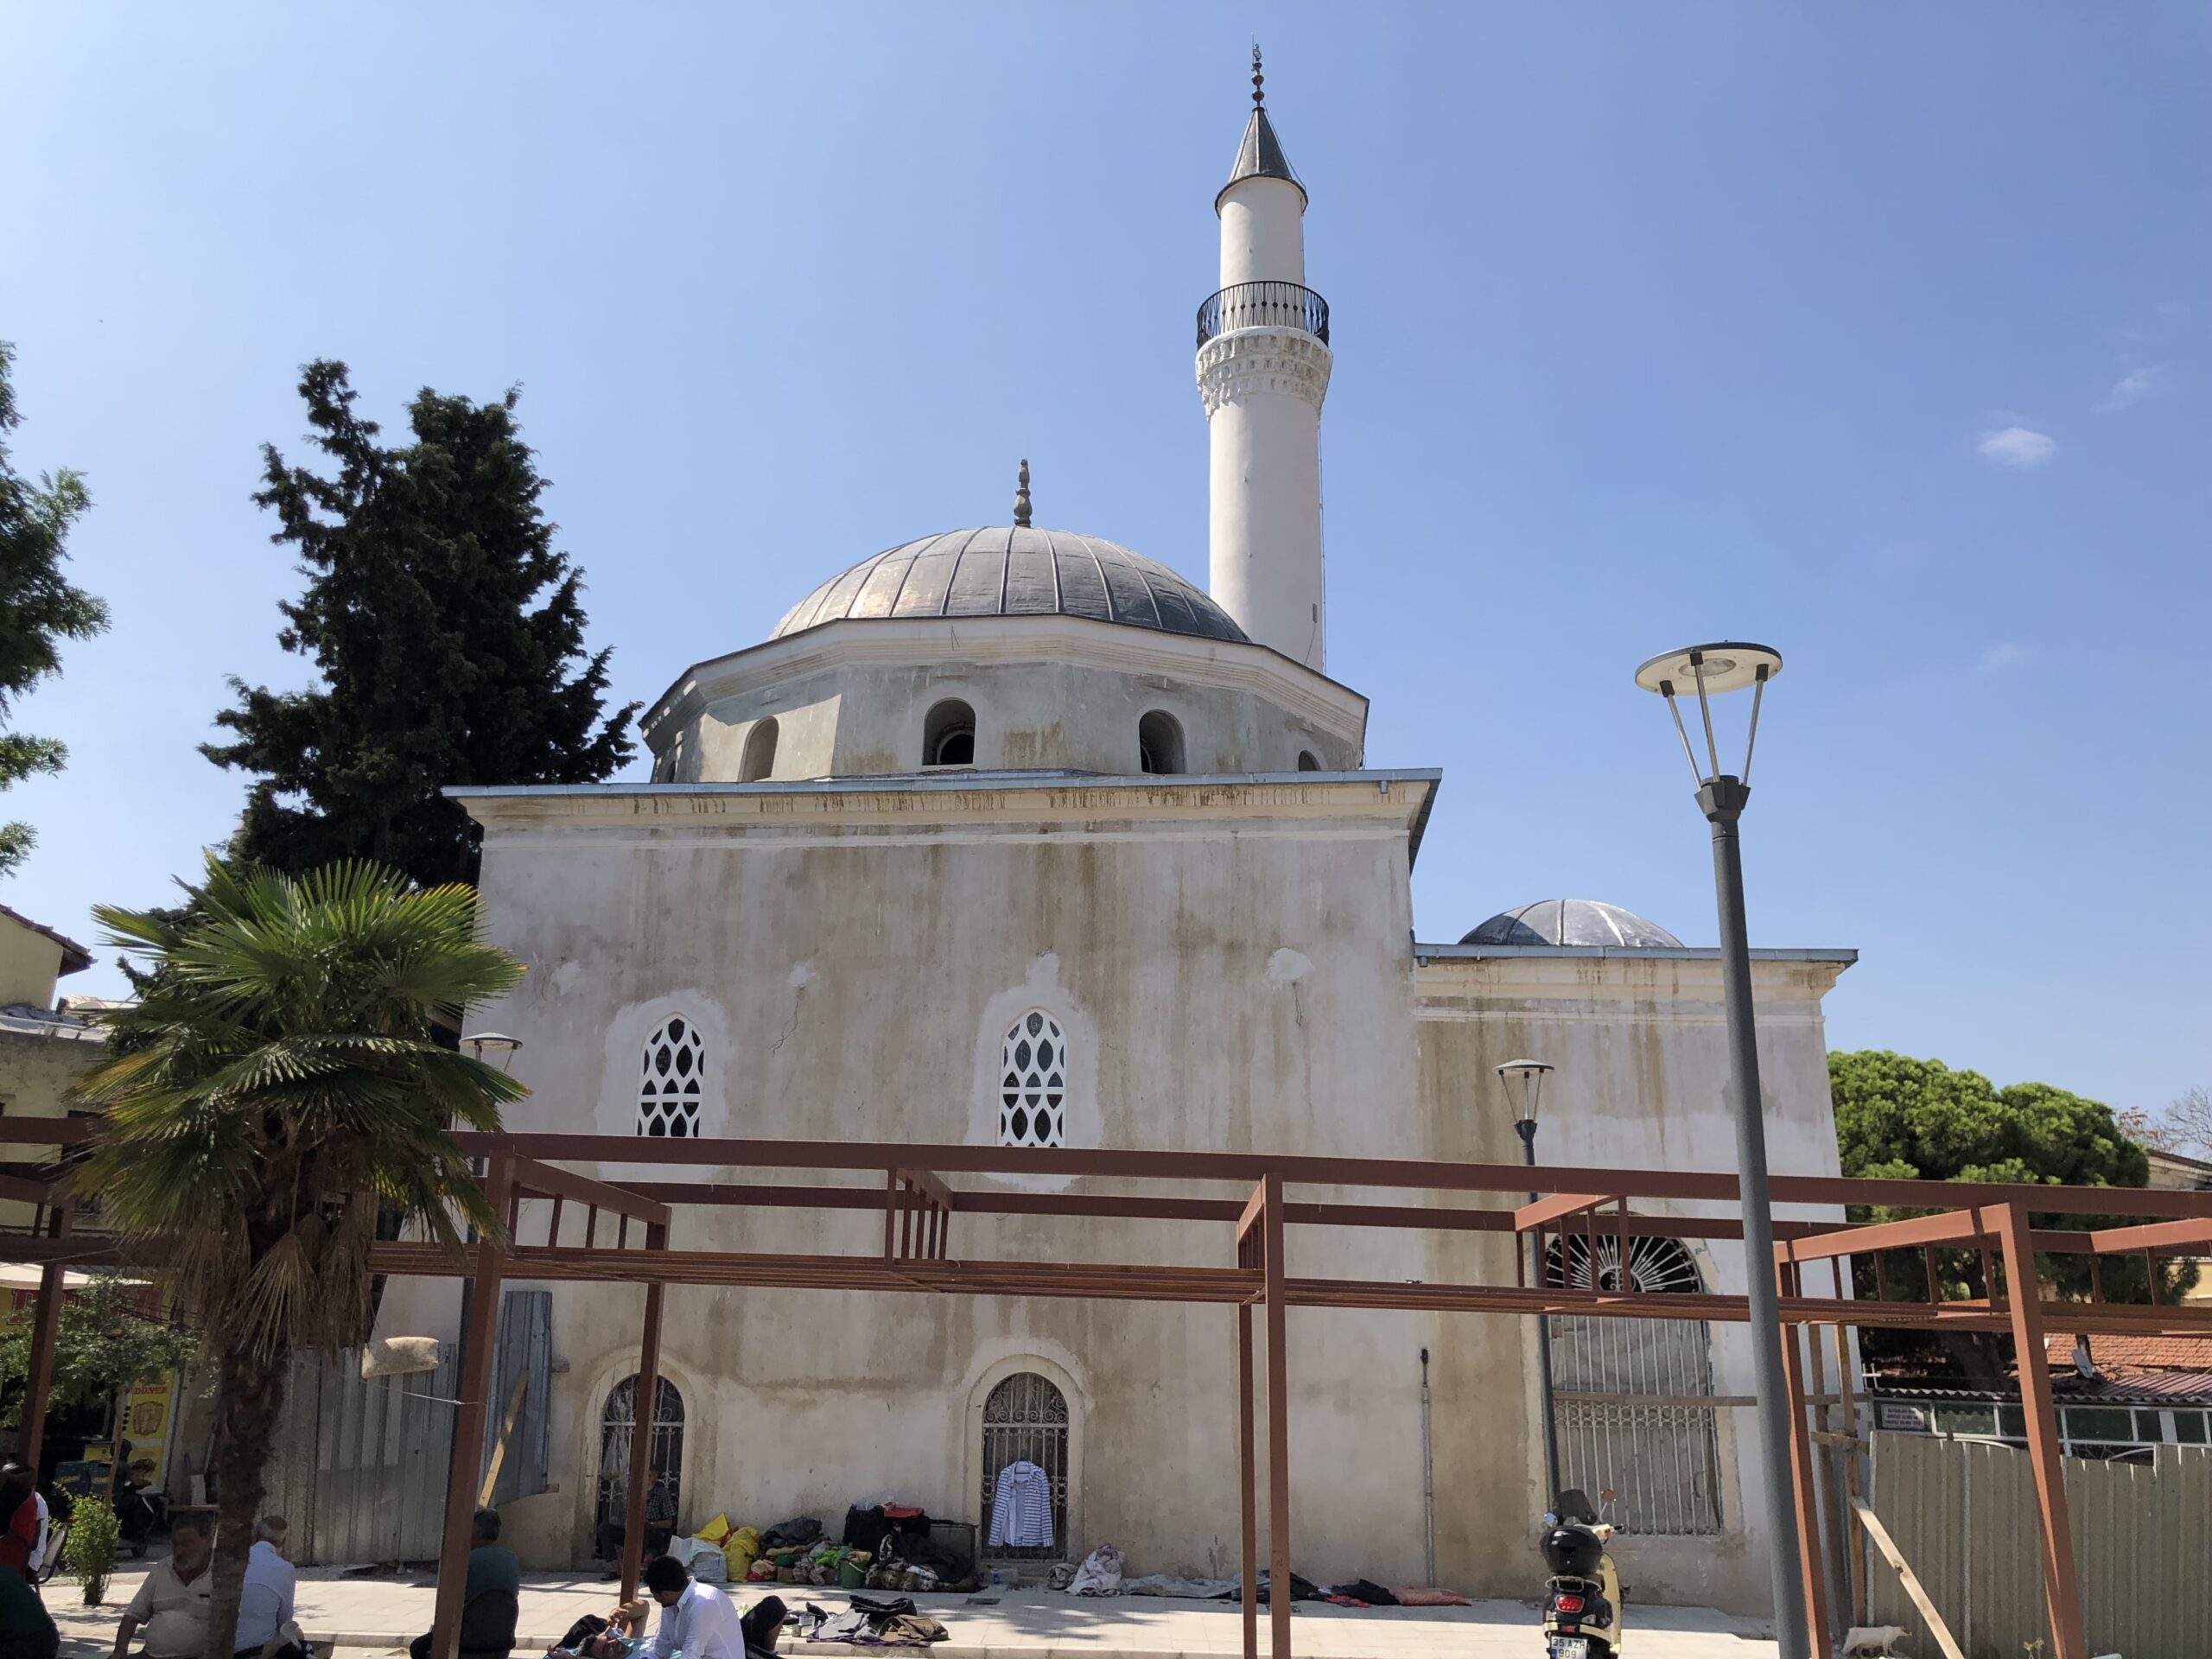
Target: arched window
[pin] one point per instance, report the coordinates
(949, 734)
(1307, 761)
(674, 1073)
(759, 752)
(1033, 1082)
(1025, 1420)
(1160, 742)
(616, 1423)
(1663, 1458)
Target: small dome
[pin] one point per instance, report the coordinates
(1572, 921)
(1014, 571)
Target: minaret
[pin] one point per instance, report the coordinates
(1263, 369)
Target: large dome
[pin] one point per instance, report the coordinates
(1014, 571)
(1572, 921)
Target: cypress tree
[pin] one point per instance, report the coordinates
(448, 630)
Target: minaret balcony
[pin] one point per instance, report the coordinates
(1264, 305)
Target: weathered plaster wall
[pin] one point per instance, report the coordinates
(35, 1072)
(1640, 1046)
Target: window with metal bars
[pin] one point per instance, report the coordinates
(616, 1424)
(1033, 1082)
(1632, 1395)
(1026, 1418)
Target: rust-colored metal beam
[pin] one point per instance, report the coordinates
(1956, 1226)
(535, 1179)
(645, 1408)
(46, 1326)
(1558, 1207)
(467, 1454)
(1269, 1198)
(1248, 1503)
(1804, 1479)
(2163, 1236)
(2062, 1589)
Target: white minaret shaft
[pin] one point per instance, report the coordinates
(1263, 369)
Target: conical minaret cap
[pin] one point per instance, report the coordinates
(1259, 153)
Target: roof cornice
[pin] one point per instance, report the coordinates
(986, 640)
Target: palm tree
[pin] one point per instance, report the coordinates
(280, 1079)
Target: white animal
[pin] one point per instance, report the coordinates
(1872, 1640)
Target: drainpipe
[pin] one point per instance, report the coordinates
(1427, 1479)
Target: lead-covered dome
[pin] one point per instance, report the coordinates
(1572, 921)
(1014, 571)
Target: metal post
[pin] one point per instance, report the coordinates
(1806, 1480)
(468, 1424)
(644, 1411)
(46, 1326)
(1278, 1425)
(1248, 1485)
(2062, 1589)
(1528, 1127)
(1722, 800)
(1427, 1479)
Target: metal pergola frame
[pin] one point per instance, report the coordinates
(917, 1202)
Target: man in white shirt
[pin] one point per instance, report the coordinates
(699, 1618)
(38, 1549)
(265, 1603)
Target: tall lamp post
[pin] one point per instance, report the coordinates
(1708, 671)
(1524, 1086)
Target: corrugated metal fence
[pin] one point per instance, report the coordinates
(1963, 1514)
(361, 1465)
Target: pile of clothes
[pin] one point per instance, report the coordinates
(1100, 1574)
(885, 1547)
(872, 1624)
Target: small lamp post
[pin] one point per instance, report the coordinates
(1524, 1088)
(1707, 672)
(495, 1043)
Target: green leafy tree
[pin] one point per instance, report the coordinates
(448, 630)
(282, 1077)
(103, 1348)
(38, 608)
(1897, 1118)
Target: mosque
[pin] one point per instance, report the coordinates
(1012, 836)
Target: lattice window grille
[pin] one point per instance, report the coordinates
(674, 1069)
(1647, 1434)
(1033, 1083)
(1026, 1417)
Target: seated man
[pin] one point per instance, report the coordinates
(660, 1525)
(26, 1628)
(265, 1603)
(702, 1622)
(490, 1598)
(172, 1604)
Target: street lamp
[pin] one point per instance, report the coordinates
(1709, 671)
(497, 1042)
(1524, 1086)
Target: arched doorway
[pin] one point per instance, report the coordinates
(1646, 1434)
(616, 1423)
(1025, 1419)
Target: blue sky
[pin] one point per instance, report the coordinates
(1881, 334)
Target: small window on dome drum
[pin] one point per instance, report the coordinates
(760, 758)
(1306, 762)
(1160, 742)
(949, 734)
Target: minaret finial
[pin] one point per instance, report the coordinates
(1022, 496)
(1259, 97)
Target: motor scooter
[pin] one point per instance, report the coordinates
(1583, 1612)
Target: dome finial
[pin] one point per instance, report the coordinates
(1259, 97)
(1022, 496)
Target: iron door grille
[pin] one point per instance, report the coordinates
(1024, 1417)
(1643, 1429)
(615, 1425)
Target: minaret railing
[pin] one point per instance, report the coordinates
(1264, 305)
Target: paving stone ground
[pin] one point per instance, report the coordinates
(373, 1616)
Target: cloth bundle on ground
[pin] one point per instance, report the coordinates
(867, 1527)
(1100, 1573)
(1428, 1596)
(1300, 1589)
(872, 1624)
(1362, 1592)
(1166, 1583)
(796, 1533)
(703, 1558)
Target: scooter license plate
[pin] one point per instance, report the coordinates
(1570, 1647)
